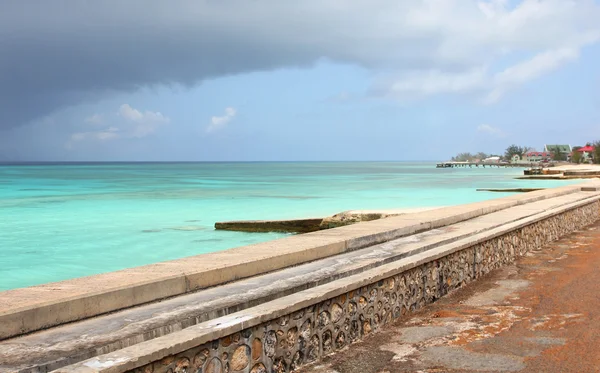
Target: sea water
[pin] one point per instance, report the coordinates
(60, 221)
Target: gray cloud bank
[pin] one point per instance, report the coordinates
(56, 53)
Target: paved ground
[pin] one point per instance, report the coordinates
(540, 315)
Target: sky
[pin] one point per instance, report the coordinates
(272, 80)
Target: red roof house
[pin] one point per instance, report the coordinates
(539, 154)
(586, 149)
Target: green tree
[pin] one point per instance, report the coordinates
(576, 157)
(463, 157)
(512, 150)
(481, 156)
(596, 152)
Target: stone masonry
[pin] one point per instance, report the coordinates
(284, 344)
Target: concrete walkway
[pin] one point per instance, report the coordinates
(540, 315)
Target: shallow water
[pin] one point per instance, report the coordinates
(65, 221)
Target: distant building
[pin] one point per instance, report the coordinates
(586, 152)
(537, 156)
(515, 159)
(563, 149)
(492, 160)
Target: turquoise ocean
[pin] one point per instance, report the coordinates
(60, 221)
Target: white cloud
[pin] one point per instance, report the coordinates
(479, 81)
(144, 123)
(217, 123)
(109, 133)
(479, 38)
(135, 115)
(94, 119)
(527, 70)
(136, 125)
(490, 130)
(433, 82)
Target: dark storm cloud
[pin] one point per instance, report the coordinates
(56, 53)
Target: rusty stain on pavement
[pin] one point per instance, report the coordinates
(541, 314)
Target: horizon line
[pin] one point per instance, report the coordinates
(230, 161)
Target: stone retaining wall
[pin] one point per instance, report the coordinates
(284, 344)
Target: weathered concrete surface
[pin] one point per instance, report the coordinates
(540, 315)
(39, 307)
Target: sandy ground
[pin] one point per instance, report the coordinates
(579, 167)
(540, 315)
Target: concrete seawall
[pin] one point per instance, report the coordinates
(44, 306)
(383, 270)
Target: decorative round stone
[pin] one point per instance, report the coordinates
(391, 283)
(306, 329)
(284, 320)
(372, 295)
(352, 308)
(292, 337)
(340, 340)
(256, 349)
(336, 312)
(270, 343)
(167, 360)
(259, 368)
(240, 358)
(296, 361)
(214, 366)
(182, 365)
(323, 319)
(327, 342)
(281, 339)
(225, 342)
(366, 327)
(279, 366)
(200, 358)
(362, 301)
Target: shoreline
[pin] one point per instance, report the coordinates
(566, 172)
